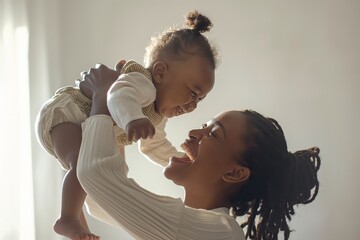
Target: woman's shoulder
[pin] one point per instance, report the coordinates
(209, 224)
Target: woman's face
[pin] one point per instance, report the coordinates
(212, 152)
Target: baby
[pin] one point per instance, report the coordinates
(178, 73)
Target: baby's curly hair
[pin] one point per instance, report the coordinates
(179, 43)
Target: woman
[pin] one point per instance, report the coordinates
(236, 165)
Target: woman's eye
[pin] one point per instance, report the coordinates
(211, 134)
(203, 126)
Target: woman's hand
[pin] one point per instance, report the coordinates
(96, 83)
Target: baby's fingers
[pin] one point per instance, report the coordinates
(151, 131)
(134, 135)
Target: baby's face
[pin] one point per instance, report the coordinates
(184, 84)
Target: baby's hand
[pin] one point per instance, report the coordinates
(140, 128)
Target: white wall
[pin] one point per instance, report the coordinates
(296, 61)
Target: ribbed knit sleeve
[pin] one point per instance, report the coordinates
(102, 172)
(159, 149)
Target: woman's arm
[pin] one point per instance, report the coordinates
(102, 172)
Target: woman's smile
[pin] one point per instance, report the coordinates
(188, 150)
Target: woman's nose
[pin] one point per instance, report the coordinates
(196, 134)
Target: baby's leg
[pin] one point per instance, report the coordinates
(66, 139)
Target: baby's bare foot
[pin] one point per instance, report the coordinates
(73, 230)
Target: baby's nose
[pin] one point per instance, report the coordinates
(191, 106)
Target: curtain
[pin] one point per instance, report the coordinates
(17, 220)
(30, 179)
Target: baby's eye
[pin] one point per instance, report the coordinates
(193, 94)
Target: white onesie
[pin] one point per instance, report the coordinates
(131, 97)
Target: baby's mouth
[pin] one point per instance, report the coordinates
(180, 110)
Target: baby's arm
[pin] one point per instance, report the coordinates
(159, 149)
(140, 128)
(125, 99)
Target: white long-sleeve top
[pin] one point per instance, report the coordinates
(102, 171)
(127, 96)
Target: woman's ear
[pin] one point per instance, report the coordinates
(159, 71)
(237, 174)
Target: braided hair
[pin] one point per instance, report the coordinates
(179, 43)
(279, 179)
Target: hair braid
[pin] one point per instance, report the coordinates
(278, 181)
